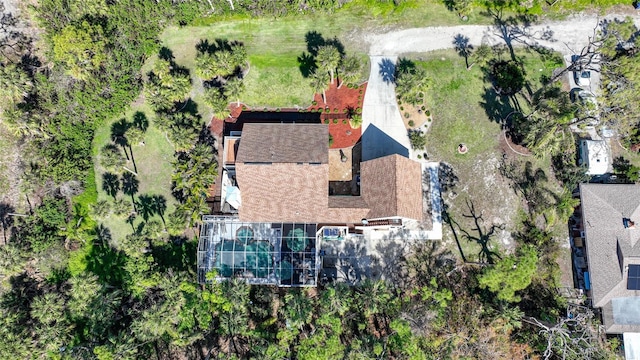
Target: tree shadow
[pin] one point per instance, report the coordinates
(219, 44)
(388, 71)
(130, 185)
(6, 219)
(178, 254)
(145, 206)
(405, 66)
(528, 184)
(497, 107)
(484, 234)
(307, 64)
(307, 60)
(110, 184)
(107, 263)
(207, 138)
(166, 54)
(118, 134)
(462, 47)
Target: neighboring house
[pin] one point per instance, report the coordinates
(277, 207)
(611, 223)
(595, 155)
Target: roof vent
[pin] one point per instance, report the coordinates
(628, 224)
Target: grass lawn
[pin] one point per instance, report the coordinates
(273, 45)
(464, 107)
(153, 162)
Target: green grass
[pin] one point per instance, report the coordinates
(466, 110)
(153, 162)
(273, 45)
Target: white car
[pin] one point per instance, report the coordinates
(582, 77)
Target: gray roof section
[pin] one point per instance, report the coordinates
(284, 143)
(610, 246)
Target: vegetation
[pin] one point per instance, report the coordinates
(99, 260)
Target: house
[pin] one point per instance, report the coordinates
(278, 204)
(282, 173)
(611, 223)
(595, 155)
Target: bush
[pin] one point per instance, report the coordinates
(326, 121)
(335, 121)
(407, 115)
(428, 113)
(423, 108)
(335, 110)
(330, 140)
(401, 108)
(411, 123)
(344, 122)
(314, 103)
(417, 139)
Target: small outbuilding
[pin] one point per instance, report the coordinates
(595, 155)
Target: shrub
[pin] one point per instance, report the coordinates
(423, 108)
(411, 123)
(417, 139)
(344, 122)
(335, 121)
(355, 121)
(330, 140)
(314, 103)
(335, 110)
(327, 110)
(326, 121)
(428, 113)
(401, 108)
(407, 115)
(419, 156)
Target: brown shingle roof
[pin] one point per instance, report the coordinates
(610, 246)
(284, 143)
(392, 186)
(292, 193)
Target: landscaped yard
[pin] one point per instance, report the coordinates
(153, 161)
(459, 100)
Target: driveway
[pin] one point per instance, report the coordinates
(383, 129)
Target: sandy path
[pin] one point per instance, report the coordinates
(567, 36)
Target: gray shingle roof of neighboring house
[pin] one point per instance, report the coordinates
(284, 143)
(611, 248)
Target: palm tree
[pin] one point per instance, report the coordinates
(122, 207)
(205, 66)
(234, 89)
(110, 184)
(355, 121)
(239, 55)
(329, 58)
(152, 230)
(319, 81)
(102, 208)
(134, 135)
(130, 186)
(177, 222)
(298, 309)
(183, 137)
(111, 157)
(224, 62)
(218, 103)
(349, 70)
